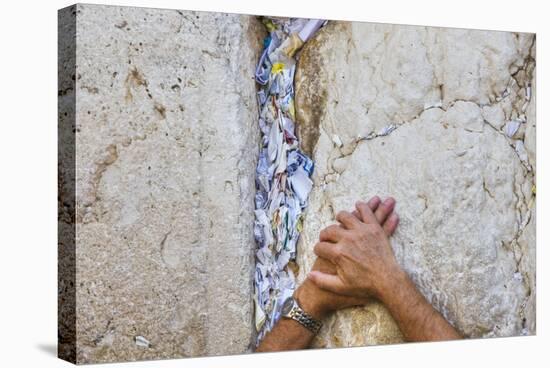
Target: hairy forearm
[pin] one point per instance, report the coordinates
(287, 334)
(416, 318)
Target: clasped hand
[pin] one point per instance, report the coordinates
(355, 260)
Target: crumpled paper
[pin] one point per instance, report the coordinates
(283, 172)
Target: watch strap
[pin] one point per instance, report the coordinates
(300, 316)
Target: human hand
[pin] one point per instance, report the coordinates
(361, 253)
(319, 302)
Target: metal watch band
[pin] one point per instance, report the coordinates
(300, 316)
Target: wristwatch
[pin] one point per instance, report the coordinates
(292, 310)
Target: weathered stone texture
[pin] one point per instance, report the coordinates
(166, 145)
(166, 139)
(464, 196)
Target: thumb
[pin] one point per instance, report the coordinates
(327, 282)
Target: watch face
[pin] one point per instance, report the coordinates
(287, 306)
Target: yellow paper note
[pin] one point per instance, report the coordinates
(277, 68)
(292, 110)
(269, 25)
(292, 44)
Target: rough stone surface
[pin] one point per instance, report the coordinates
(166, 148)
(465, 198)
(164, 141)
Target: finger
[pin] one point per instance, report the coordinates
(367, 216)
(384, 210)
(332, 233)
(374, 202)
(348, 220)
(391, 224)
(326, 250)
(327, 282)
(324, 265)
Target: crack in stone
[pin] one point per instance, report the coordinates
(514, 246)
(162, 248)
(101, 336)
(397, 125)
(525, 66)
(527, 166)
(487, 190)
(190, 20)
(111, 155)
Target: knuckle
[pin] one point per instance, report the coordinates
(316, 248)
(351, 238)
(355, 236)
(372, 229)
(341, 215)
(346, 236)
(377, 231)
(338, 255)
(360, 238)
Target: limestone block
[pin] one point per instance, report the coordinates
(164, 200)
(464, 193)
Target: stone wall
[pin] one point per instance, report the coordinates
(166, 147)
(158, 132)
(464, 189)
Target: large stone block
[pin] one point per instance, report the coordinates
(464, 192)
(165, 146)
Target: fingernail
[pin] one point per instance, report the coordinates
(389, 201)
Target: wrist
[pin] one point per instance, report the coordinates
(394, 285)
(306, 299)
